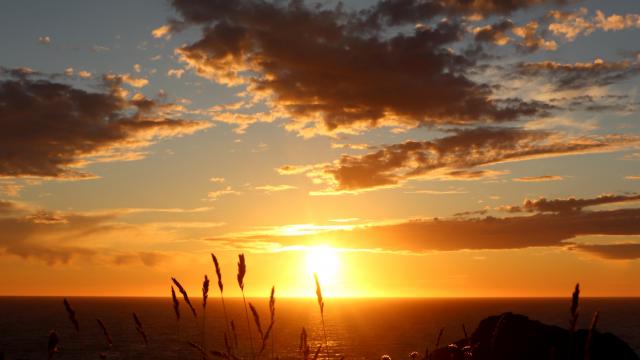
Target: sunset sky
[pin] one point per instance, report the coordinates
(401, 148)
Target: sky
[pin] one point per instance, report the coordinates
(398, 148)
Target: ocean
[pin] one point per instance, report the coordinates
(355, 328)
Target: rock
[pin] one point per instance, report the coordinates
(516, 337)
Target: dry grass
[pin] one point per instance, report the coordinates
(221, 288)
(185, 296)
(592, 329)
(176, 304)
(205, 295)
(72, 315)
(321, 305)
(231, 336)
(242, 271)
(107, 336)
(140, 329)
(575, 308)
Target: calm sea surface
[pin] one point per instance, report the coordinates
(358, 329)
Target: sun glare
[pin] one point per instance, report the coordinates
(324, 261)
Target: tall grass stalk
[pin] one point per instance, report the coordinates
(575, 312)
(272, 312)
(205, 295)
(107, 336)
(185, 296)
(256, 320)
(140, 329)
(221, 288)
(321, 305)
(304, 345)
(72, 315)
(176, 309)
(592, 329)
(242, 271)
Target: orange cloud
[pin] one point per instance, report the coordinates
(452, 157)
(542, 178)
(462, 232)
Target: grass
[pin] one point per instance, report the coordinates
(232, 350)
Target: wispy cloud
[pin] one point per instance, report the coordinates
(541, 178)
(275, 188)
(465, 231)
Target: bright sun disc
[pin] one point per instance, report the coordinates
(324, 261)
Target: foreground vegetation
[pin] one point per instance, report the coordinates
(256, 348)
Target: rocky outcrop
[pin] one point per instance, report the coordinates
(516, 337)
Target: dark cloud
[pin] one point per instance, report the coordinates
(579, 75)
(461, 232)
(454, 156)
(629, 251)
(328, 69)
(50, 129)
(572, 204)
(398, 12)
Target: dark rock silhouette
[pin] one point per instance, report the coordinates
(516, 337)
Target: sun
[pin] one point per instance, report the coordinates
(324, 261)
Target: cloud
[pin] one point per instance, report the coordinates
(217, 179)
(411, 11)
(59, 237)
(39, 234)
(275, 188)
(452, 157)
(130, 80)
(217, 194)
(465, 231)
(82, 73)
(494, 33)
(163, 31)
(438, 192)
(50, 129)
(350, 146)
(177, 73)
(10, 189)
(632, 177)
(150, 259)
(593, 103)
(329, 70)
(570, 25)
(579, 75)
(44, 40)
(531, 40)
(623, 251)
(541, 178)
(570, 205)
